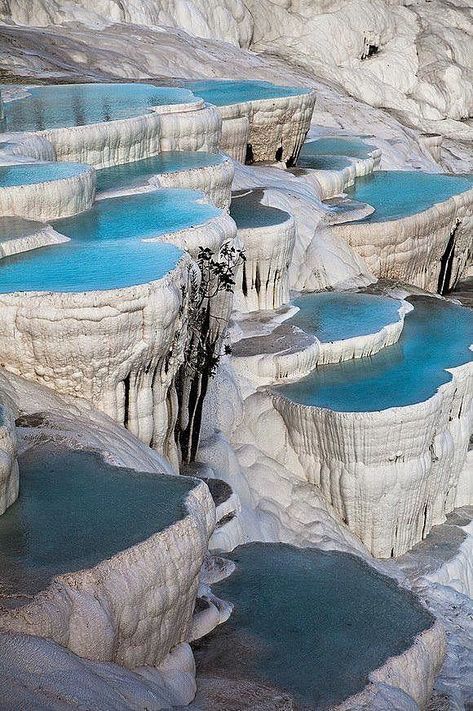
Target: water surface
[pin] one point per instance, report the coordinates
(222, 92)
(30, 173)
(334, 146)
(106, 250)
(74, 510)
(63, 106)
(309, 622)
(395, 194)
(247, 210)
(436, 335)
(336, 316)
(140, 171)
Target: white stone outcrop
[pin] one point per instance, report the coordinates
(9, 475)
(263, 279)
(366, 463)
(277, 127)
(235, 137)
(50, 199)
(35, 235)
(85, 344)
(215, 181)
(411, 248)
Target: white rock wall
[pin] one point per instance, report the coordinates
(50, 199)
(215, 181)
(263, 279)
(9, 476)
(411, 248)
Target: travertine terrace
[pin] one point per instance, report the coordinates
(251, 249)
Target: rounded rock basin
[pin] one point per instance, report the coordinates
(322, 162)
(395, 194)
(436, 335)
(310, 623)
(223, 92)
(64, 106)
(75, 510)
(106, 248)
(140, 171)
(339, 316)
(32, 173)
(333, 146)
(247, 211)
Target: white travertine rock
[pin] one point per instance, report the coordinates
(288, 353)
(235, 137)
(35, 235)
(215, 181)
(85, 344)
(51, 199)
(263, 279)
(411, 248)
(277, 127)
(9, 475)
(365, 463)
(321, 259)
(432, 144)
(88, 612)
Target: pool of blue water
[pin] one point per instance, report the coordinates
(62, 106)
(75, 510)
(222, 92)
(322, 162)
(436, 335)
(140, 171)
(311, 623)
(334, 146)
(30, 173)
(106, 250)
(396, 194)
(337, 316)
(247, 211)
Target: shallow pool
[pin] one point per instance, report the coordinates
(63, 106)
(223, 92)
(334, 146)
(308, 622)
(436, 336)
(316, 162)
(75, 510)
(30, 173)
(247, 211)
(106, 250)
(140, 171)
(337, 316)
(396, 194)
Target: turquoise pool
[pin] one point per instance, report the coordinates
(336, 316)
(303, 622)
(436, 335)
(63, 106)
(30, 173)
(247, 211)
(334, 146)
(106, 250)
(396, 194)
(222, 92)
(322, 162)
(74, 510)
(140, 171)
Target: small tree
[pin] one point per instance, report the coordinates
(208, 313)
